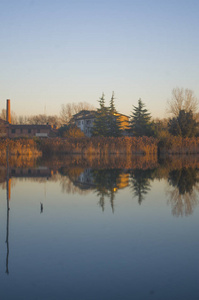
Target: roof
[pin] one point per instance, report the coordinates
(90, 114)
(122, 115)
(29, 126)
(85, 114)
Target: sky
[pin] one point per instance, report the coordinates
(65, 51)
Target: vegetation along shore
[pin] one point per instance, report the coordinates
(100, 146)
(105, 131)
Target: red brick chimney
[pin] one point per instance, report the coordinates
(8, 114)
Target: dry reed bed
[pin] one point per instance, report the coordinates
(99, 145)
(179, 145)
(17, 147)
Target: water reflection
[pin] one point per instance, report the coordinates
(60, 239)
(183, 196)
(8, 190)
(107, 182)
(140, 182)
(75, 176)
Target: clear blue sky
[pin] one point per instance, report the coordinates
(61, 51)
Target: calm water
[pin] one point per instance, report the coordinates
(81, 233)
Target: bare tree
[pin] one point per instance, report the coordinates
(13, 116)
(21, 120)
(3, 114)
(69, 109)
(182, 100)
(66, 113)
(41, 119)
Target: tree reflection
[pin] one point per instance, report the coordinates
(140, 182)
(107, 182)
(183, 197)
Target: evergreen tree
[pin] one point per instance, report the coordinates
(140, 123)
(100, 126)
(113, 120)
(183, 125)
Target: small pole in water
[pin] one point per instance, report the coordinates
(41, 207)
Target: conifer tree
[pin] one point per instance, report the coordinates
(114, 123)
(140, 123)
(100, 127)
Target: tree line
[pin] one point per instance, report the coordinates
(182, 107)
(183, 122)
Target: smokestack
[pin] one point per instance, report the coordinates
(8, 115)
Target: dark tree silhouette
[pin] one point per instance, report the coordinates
(100, 126)
(140, 122)
(183, 125)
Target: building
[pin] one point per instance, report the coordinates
(29, 131)
(4, 128)
(7, 129)
(84, 120)
(124, 121)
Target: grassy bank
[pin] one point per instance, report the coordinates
(178, 145)
(99, 145)
(19, 147)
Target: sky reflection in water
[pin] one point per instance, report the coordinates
(102, 234)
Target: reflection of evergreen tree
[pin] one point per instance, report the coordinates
(140, 181)
(183, 197)
(106, 184)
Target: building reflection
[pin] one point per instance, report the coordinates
(39, 172)
(104, 182)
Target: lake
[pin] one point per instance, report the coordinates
(70, 229)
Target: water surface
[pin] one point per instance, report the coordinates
(84, 233)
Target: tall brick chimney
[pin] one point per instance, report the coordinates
(8, 114)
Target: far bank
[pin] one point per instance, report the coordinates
(100, 146)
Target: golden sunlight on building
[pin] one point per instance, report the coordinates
(124, 121)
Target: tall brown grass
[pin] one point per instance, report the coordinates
(18, 147)
(100, 145)
(178, 145)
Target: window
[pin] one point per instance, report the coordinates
(13, 130)
(29, 130)
(21, 130)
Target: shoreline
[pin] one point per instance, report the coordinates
(100, 146)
